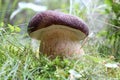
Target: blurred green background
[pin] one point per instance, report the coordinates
(17, 58)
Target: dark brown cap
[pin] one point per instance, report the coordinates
(47, 18)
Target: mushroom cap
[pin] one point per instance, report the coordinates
(47, 20)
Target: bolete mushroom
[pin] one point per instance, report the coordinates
(60, 33)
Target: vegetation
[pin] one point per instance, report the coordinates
(18, 60)
(112, 33)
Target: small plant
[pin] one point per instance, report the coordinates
(112, 33)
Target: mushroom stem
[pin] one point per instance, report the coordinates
(60, 42)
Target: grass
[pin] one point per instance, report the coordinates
(18, 61)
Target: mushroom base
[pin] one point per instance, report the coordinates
(60, 42)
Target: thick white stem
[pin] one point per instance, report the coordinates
(60, 42)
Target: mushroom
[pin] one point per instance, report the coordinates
(59, 33)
